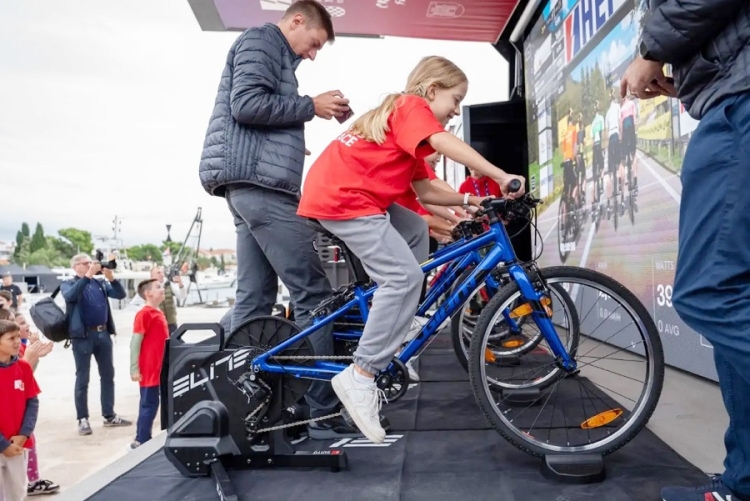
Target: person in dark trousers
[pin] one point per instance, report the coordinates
(253, 156)
(707, 44)
(150, 334)
(91, 327)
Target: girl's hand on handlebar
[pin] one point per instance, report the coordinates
(505, 186)
(477, 201)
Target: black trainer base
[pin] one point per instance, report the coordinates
(439, 448)
(580, 469)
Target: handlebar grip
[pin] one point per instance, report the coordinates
(514, 186)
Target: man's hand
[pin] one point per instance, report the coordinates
(18, 440)
(108, 274)
(177, 279)
(135, 376)
(94, 268)
(331, 104)
(645, 80)
(13, 450)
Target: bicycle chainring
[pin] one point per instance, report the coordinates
(261, 334)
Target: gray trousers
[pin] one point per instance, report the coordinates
(391, 247)
(274, 242)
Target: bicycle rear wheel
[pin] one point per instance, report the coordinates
(588, 411)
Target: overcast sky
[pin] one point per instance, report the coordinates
(104, 107)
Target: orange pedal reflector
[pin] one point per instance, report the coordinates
(601, 419)
(489, 356)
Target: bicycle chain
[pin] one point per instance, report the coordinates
(307, 421)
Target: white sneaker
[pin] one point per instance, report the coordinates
(363, 402)
(416, 326)
(413, 375)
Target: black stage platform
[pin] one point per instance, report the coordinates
(440, 448)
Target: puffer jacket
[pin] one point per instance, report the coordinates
(256, 131)
(707, 42)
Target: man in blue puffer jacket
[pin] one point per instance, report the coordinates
(708, 45)
(253, 156)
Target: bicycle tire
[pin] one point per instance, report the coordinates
(561, 272)
(457, 328)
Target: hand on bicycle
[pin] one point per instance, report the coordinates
(505, 186)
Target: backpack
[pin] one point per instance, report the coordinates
(50, 319)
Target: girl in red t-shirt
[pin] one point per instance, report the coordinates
(350, 190)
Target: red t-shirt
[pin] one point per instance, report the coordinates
(17, 385)
(483, 187)
(354, 177)
(152, 324)
(410, 200)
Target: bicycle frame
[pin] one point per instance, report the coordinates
(501, 252)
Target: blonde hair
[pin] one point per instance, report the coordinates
(431, 71)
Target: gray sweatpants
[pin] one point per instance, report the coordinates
(274, 242)
(391, 247)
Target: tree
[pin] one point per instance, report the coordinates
(145, 252)
(222, 265)
(79, 239)
(38, 241)
(63, 247)
(48, 257)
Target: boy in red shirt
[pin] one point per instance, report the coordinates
(20, 408)
(480, 185)
(351, 189)
(150, 333)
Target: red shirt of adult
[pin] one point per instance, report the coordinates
(152, 324)
(483, 187)
(410, 200)
(355, 178)
(17, 385)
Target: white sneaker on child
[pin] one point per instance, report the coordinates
(416, 326)
(413, 376)
(363, 401)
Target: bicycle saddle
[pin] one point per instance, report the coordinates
(319, 228)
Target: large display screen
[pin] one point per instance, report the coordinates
(573, 59)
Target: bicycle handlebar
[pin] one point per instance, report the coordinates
(508, 208)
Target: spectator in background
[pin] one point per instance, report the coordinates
(91, 326)
(479, 185)
(18, 394)
(15, 291)
(32, 350)
(174, 289)
(6, 300)
(150, 333)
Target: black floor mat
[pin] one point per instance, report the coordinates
(440, 447)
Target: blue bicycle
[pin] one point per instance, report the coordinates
(281, 362)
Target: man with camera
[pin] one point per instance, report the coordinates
(174, 290)
(90, 326)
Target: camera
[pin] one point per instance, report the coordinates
(111, 265)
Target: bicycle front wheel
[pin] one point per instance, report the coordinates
(598, 408)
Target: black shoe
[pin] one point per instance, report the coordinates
(116, 421)
(42, 487)
(339, 427)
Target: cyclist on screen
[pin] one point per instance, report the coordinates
(581, 159)
(614, 161)
(627, 119)
(597, 133)
(570, 176)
